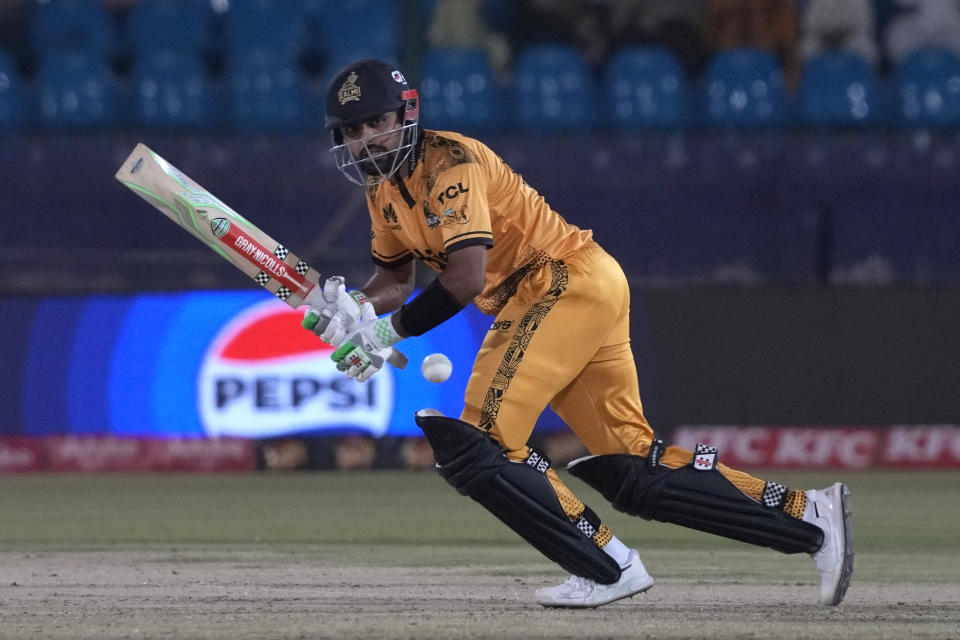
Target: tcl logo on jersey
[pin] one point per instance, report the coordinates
(452, 192)
(263, 376)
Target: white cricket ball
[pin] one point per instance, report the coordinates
(436, 367)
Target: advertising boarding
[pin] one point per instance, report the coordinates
(207, 364)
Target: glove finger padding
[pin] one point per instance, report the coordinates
(333, 288)
(335, 331)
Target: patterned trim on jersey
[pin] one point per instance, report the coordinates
(491, 303)
(451, 154)
(371, 188)
(512, 357)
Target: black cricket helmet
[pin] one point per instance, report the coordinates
(359, 92)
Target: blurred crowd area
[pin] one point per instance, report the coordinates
(729, 142)
(483, 65)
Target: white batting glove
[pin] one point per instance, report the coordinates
(365, 352)
(338, 313)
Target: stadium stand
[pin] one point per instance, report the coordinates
(171, 90)
(11, 96)
(645, 87)
(927, 89)
(840, 89)
(459, 90)
(72, 25)
(744, 88)
(76, 91)
(553, 90)
(184, 26)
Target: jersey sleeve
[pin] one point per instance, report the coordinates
(386, 248)
(459, 198)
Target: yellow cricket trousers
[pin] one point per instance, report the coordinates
(564, 339)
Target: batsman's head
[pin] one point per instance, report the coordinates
(372, 115)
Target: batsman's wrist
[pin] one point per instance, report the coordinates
(397, 325)
(386, 332)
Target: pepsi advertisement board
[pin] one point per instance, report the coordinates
(207, 364)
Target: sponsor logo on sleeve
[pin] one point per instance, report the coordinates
(454, 216)
(430, 216)
(451, 192)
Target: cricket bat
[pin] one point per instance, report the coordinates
(270, 264)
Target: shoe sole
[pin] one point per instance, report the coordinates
(846, 572)
(643, 589)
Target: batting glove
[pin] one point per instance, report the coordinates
(365, 352)
(338, 313)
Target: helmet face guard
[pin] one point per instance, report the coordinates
(359, 92)
(375, 161)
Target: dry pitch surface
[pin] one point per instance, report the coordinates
(400, 555)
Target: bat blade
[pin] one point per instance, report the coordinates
(206, 217)
(269, 263)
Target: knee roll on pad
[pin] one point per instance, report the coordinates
(518, 494)
(698, 499)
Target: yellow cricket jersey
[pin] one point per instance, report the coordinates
(463, 194)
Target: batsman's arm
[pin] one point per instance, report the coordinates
(388, 289)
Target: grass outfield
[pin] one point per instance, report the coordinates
(400, 554)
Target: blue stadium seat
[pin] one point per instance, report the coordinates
(175, 25)
(339, 26)
(553, 89)
(839, 88)
(459, 91)
(11, 96)
(76, 91)
(171, 90)
(273, 25)
(744, 89)
(266, 92)
(645, 87)
(927, 88)
(71, 25)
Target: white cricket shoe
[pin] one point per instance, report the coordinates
(581, 593)
(831, 512)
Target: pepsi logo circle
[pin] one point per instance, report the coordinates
(263, 376)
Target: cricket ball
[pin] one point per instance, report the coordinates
(436, 367)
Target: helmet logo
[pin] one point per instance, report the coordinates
(398, 77)
(349, 91)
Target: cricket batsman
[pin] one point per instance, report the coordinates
(560, 337)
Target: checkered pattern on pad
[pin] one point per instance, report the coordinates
(302, 267)
(281, 252)
(587, 528)
(262, 279)
(703, 448)
(774, 494)
(538, 461)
